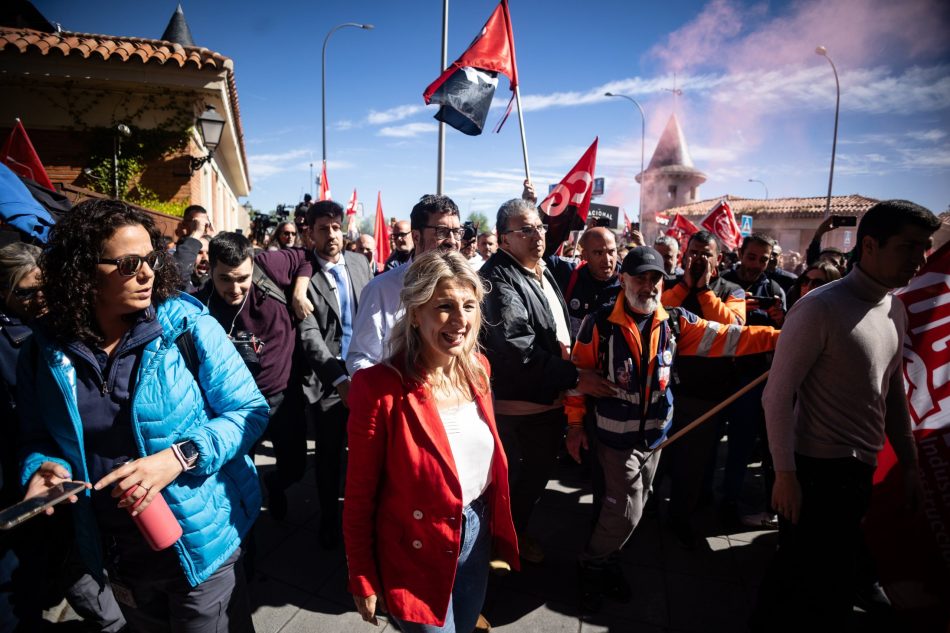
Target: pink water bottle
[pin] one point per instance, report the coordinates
(157, 523)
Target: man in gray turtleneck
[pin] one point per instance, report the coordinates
(835, 389)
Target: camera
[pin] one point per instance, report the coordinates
(249, 348)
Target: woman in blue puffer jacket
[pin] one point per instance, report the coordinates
(107, 396)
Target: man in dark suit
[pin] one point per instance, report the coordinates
(338, 280)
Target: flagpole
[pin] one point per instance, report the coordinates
(524, 140)
(440, 169)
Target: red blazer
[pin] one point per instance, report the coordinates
(402, 512)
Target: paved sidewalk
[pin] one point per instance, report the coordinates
(300, 587)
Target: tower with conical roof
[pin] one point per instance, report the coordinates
(670, 180)
(177, 30)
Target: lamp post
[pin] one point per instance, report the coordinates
(323, 79)
(763, 185)
(821, 50)
(643, 134)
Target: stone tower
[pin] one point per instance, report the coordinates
(670, 180)
(177, 30)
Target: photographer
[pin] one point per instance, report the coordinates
(248, 297)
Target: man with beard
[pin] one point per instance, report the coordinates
(633, 344)
(285, 236)
(701, 383)
(402, 245)
(334, 292)
(526, 338)
(835, 391)
(435, 224)
(765, 305)
(248, 297)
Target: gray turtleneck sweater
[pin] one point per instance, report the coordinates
(836, 384)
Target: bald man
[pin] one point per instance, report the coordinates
(594, 282)
(402, 245)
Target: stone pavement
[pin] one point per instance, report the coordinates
(297, 587)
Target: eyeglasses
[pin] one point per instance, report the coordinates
(26, 293)
(129, 265)
(528, 231)
(399, 236)
(443, 232)
(288, 232)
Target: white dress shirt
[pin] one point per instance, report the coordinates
(379, 309)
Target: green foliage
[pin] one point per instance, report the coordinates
(480, 220)
(146, 198)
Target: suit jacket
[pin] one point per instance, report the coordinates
(321, 333)
(402, 520)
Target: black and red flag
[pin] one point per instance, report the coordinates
(565, 208)
(465, 89)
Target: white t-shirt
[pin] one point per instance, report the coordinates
(473, 448)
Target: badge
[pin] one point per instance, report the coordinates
(575, 304)
(667, 357)
(664, 378)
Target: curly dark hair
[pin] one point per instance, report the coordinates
(70, 261)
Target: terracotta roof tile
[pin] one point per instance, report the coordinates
(128, 50)
(789, 207)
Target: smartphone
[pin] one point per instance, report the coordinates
(843, 220)
(17, 514)
(764, 302)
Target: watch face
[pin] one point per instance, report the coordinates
(188, 450)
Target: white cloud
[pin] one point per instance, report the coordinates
(263, 166)
(409, 130)
(392, 115)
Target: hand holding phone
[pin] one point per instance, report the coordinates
(42, 502)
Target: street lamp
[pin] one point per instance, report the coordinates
(821, 50)
(643, 134)
(323, 79)
(763, 184)
(210, 126)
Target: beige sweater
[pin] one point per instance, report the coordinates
(836, 384)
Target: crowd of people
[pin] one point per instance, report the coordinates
(440, 391)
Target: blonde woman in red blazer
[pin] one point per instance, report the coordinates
(426, 502)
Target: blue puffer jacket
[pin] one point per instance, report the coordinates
(217, 502)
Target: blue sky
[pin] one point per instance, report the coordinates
(757, 101)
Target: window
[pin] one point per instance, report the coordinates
(671, 192)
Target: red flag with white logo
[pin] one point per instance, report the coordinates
(324, 185)
(721, 223)
(912, 551)
(18, 154)
(681, 229)
(565, 208)
(381, 234)
(352, 230)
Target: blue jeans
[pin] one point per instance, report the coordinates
(471, 576)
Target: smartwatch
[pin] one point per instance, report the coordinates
(187, 454)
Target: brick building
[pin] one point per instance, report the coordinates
(73, 90)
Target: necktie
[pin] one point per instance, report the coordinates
(346, 311)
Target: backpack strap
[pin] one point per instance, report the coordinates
(186, 346)
(260, 279)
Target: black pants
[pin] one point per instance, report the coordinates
(330, 435)
(809, 585)
(155, 596)
(689, 457)
(288, 431)
(531, 443)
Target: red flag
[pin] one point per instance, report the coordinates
(565, 208)
(352, 228)
(18, 154)
(721, 223)
(912, 551)
(465, 89)
(382, 234)
(324, 185)
(681, 229)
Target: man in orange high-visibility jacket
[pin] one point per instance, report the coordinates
(636, 419)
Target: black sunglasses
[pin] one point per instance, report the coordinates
(26, 293)
(129, 265)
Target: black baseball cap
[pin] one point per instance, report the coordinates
(642, 259)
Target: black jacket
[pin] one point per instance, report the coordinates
(519, 335)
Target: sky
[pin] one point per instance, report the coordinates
(756, 101)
